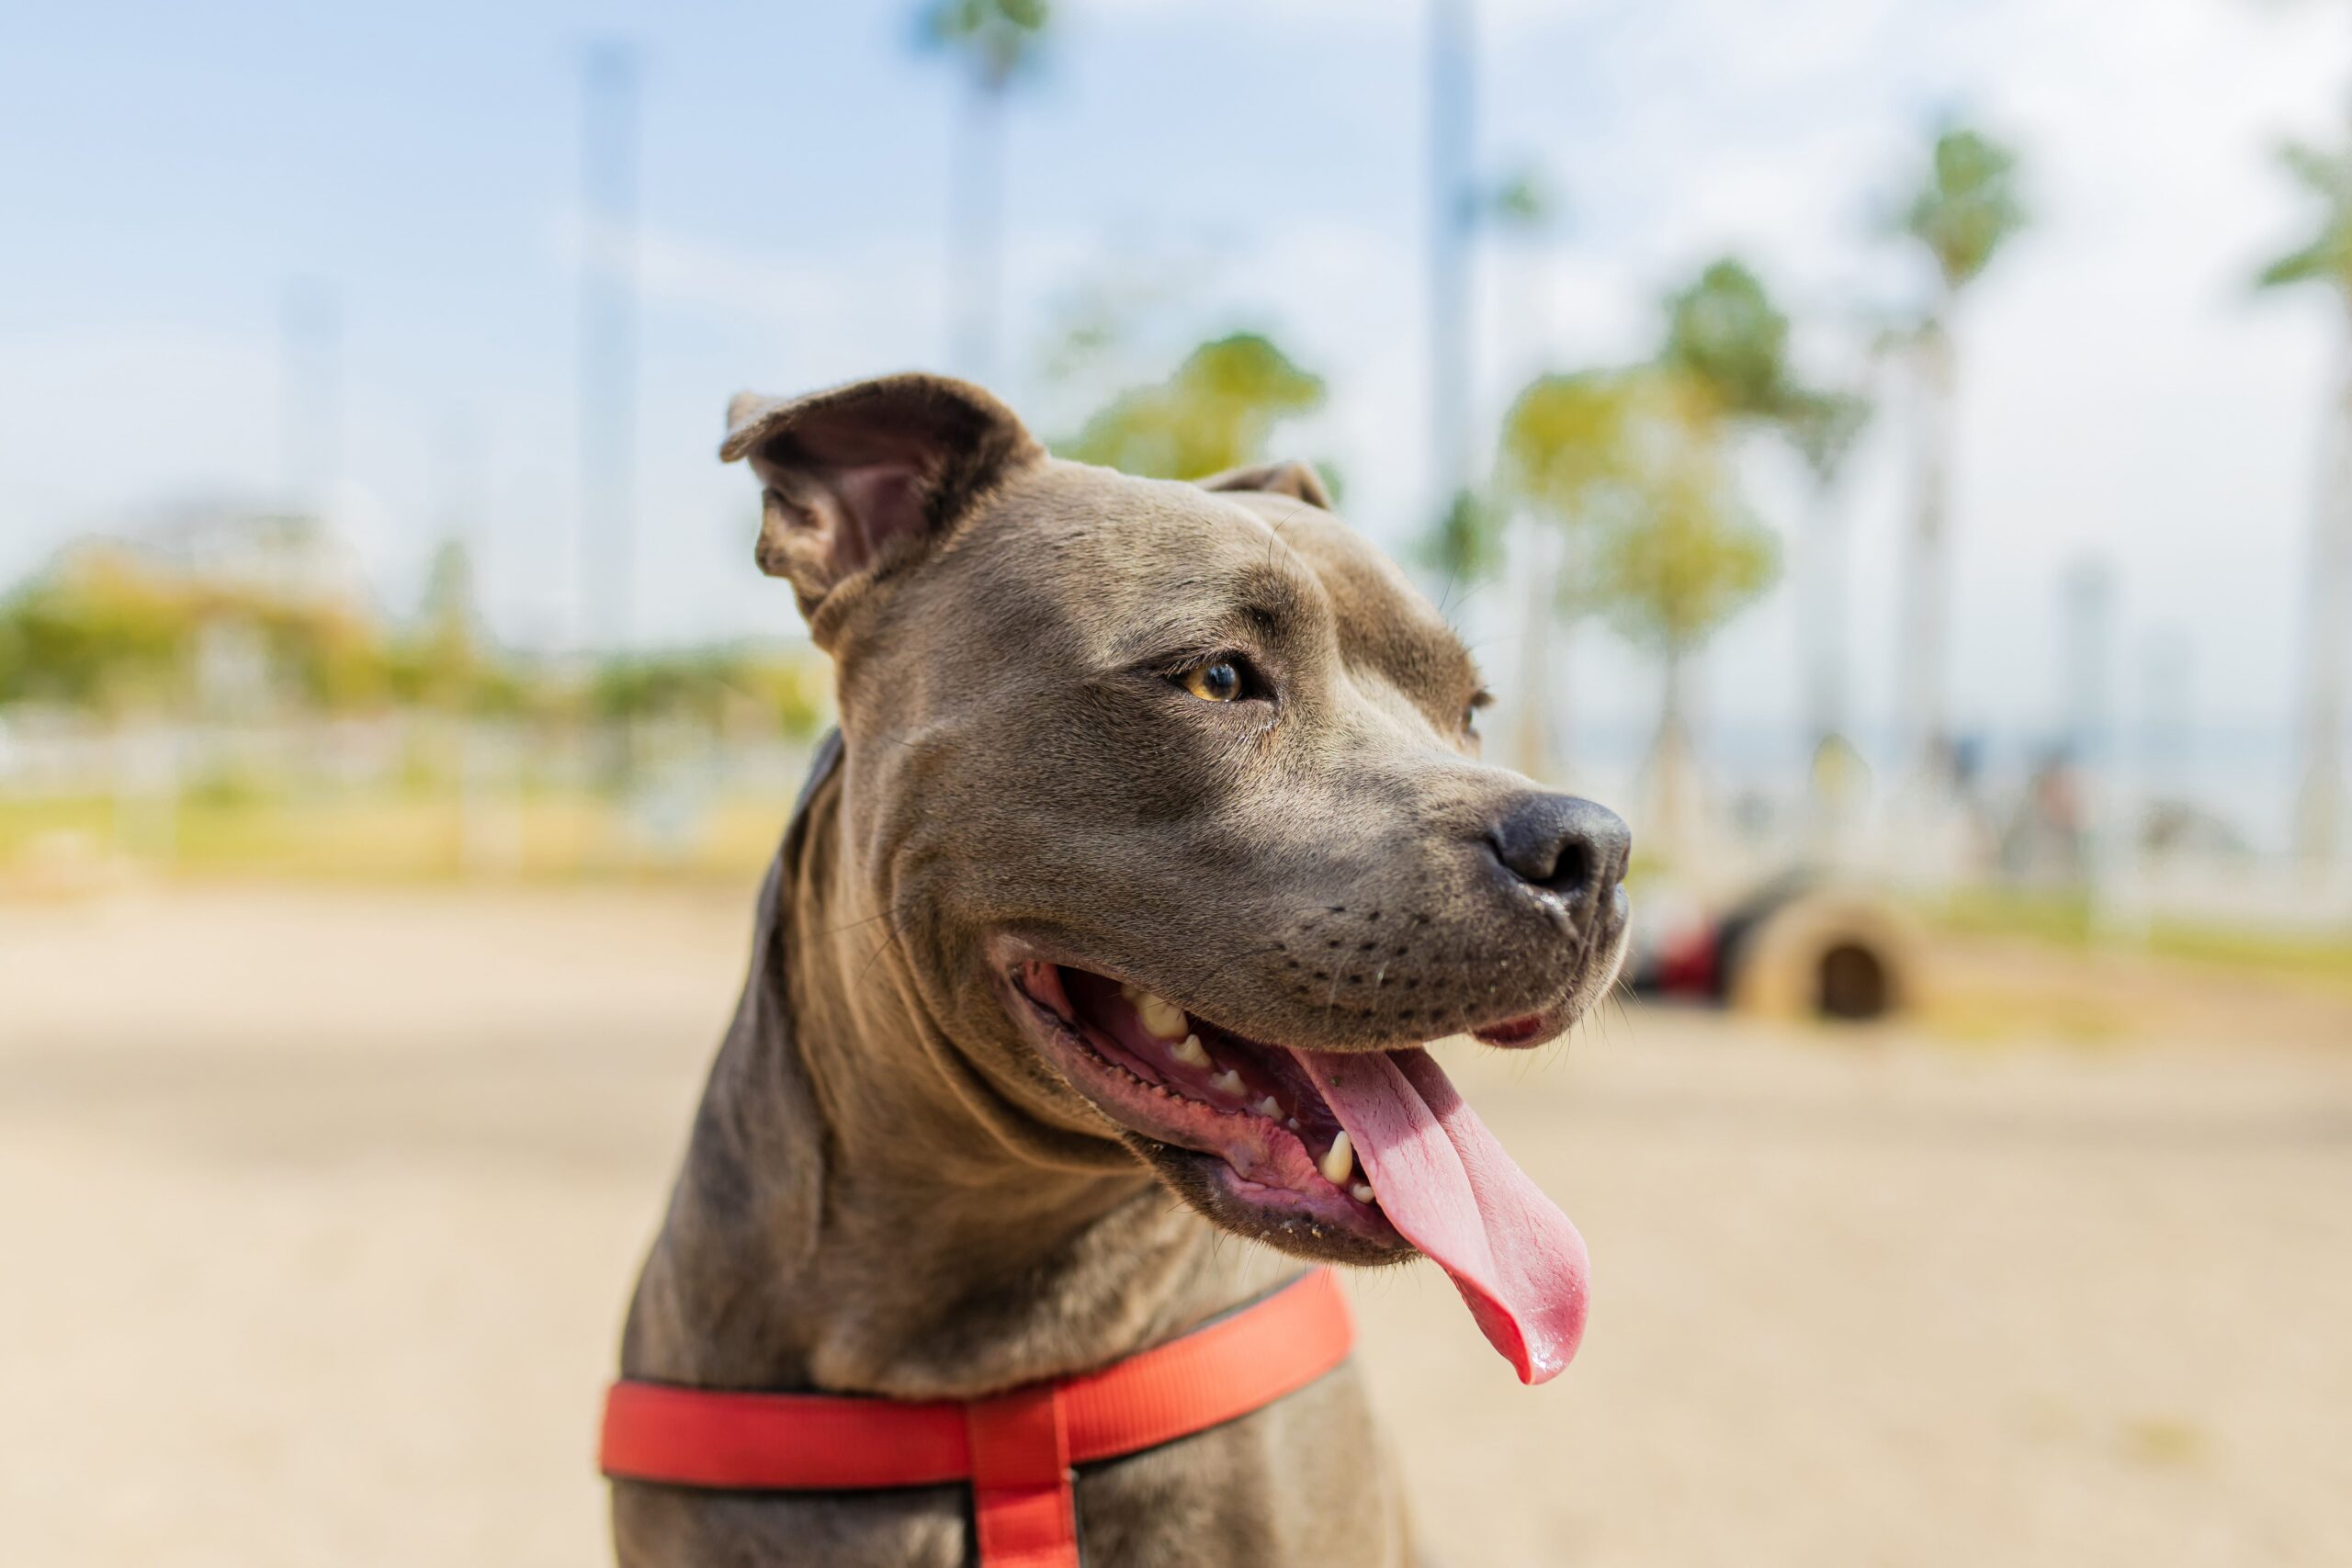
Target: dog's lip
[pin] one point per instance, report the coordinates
(1283, 1184)
(1514, 1034)
(1517, 1031)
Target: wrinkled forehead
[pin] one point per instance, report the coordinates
(1137, 568)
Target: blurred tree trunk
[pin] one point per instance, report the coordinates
(1672, 807)
(1926, 569)
(1821, 630)
(1821, 656)
(2319, 801)
(1532, 750)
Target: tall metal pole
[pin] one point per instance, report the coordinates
(606, 527)
(1452, 132)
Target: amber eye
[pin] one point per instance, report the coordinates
(1215, 681)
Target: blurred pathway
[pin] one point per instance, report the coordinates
(319, 1210)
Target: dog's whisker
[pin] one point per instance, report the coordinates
(875, 957)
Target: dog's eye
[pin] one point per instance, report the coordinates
(1218, 680)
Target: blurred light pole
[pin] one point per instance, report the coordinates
(606, 527)
(2088, 611)
(1452, 212)
(999, 42)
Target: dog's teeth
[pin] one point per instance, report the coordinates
(1163, 1018)
(1361, 1192)
(1338, 1160)
(1268, 1109)
(1226, 1082)
(1291, 1122)
(1190, 1051)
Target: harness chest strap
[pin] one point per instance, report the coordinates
(1016, 1448)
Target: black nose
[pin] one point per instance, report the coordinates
(1564, 845)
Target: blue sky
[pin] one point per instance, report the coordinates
(163, 171)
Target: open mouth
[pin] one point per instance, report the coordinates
(1361, 1157)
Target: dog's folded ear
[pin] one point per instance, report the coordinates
(864, 479)
(1297, 480)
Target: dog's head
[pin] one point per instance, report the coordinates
(1171, 795)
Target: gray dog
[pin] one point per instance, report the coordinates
(1156, 848)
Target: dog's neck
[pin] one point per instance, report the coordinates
(852, 1214)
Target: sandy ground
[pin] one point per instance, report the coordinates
(317, 1211)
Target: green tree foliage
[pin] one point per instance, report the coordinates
(1724, 333)
(1522, 202)
(1825, 427)
(1000, 38)
(784, 691)
(94, 634)
(1566, 438)
(1682, 561)
(1967, 207)
(1630, 461)
(102, 631)
(2327, 257)
(1216, 412)
(1466, 543)
(444, 663)
(106, 632)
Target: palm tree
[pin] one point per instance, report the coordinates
(1000, 42)
(1630, 466)
(2325, 259)
(1578, 450)
(1825, 427)
(1724, 333)
(1567, 447)
(1966, 208)
(1685, 557)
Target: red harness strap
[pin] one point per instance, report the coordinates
(1016, 1448)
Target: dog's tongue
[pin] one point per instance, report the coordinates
(1449, 1190)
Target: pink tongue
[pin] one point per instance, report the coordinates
(1449, 1190)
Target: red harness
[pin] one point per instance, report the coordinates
(1016, 1448)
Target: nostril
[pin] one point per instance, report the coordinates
(1566, 846)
